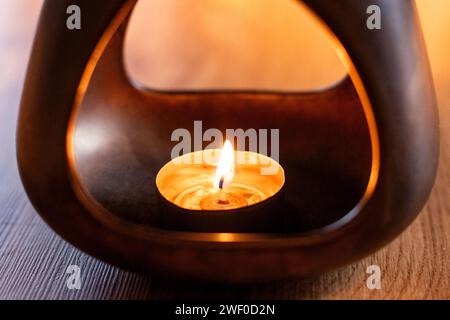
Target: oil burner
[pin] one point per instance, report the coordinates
(358, 159)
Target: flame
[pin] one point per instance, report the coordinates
(225, 167)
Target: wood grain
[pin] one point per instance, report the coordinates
(33, 259)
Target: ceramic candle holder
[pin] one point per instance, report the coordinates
(359, 158)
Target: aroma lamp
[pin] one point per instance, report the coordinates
(359, 159)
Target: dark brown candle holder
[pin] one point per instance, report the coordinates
(359, 158)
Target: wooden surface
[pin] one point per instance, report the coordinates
(33, 259)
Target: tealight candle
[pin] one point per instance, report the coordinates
(237, 193)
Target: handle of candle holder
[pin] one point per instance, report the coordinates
(390, 71)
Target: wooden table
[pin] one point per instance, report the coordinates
(33, 259)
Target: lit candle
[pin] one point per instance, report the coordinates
(201, 193)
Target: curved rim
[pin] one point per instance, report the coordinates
(132, 229)
(166, 166)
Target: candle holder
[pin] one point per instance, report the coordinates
(359, 158)
(189, 200)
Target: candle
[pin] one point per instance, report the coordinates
(220, 190)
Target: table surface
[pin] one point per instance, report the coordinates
(33, 259)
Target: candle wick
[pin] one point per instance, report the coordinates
(222, 195)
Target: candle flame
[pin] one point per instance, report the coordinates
(225, 167)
